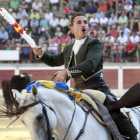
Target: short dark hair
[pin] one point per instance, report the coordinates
(74, 16)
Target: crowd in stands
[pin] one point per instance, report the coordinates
(116, 23)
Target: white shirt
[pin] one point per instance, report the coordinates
(23, 23)
(111, 40)
(94, 20)
(112, 21)
(54, 1)
(48, 15)
(36, 6)
(104, 21)
(77, 45)
(54, 22)
(128, 8)
(126, 32)
(135, 39)
(64, 22)
(123, 39)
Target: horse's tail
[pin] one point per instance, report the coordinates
(9, 100)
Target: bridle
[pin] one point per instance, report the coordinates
(49, 132)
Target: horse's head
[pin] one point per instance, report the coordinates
(34, 116)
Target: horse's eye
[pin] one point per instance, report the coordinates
(39, 117)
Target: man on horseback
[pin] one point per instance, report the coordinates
(83, 61)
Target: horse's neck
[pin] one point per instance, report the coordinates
(64, 109)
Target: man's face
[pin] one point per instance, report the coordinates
(80, 27)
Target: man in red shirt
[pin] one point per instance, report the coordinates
(113, 32)
(130, 50)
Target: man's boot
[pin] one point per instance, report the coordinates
(124, 125)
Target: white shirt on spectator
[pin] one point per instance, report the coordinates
(112, 21)
(135, 39)
(23, 23)
(54, 1)
(128, 8)
(48, 15)
(54, 22)
(4, 35)
(123, 39)
(64, 22)
(36, 6)
(104, 21)
(94, 20)
(110, 40)
(126, 32)
(28, 1)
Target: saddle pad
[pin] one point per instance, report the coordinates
(88, 99)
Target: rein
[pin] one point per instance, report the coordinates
(50, 132)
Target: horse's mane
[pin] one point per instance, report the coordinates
(13, 108)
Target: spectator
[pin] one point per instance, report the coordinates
(117, 48)
(92, 30)
(54, 2)
(64, 24)
(3, 36)
(15, 36)
(114, 32)
(64, 2)
(29, 3)
(119, 10)
(101, 31)
(94, 22)
(92, 35)
(130, 51)
(56, 40)
(21, 13)
(67, 10)
(123, 20)
(102, 7)
(34, 14)
(65, 37)
(135, 22)
(83, 5)
(7, 27)
(128, 10)
(14, 4)
(76, 9)
(137, 7)
(37, 5)
(13, 14)
(24, 5)
(54, 22)
(99, 14)
(53, 48)
(44, 22)
(47, 35)
(48, 14)
(126, 31)
(23, 22)
(134, 38)
(58, 32)
(109, 42)
(43, 45)
(70, 33)
(90, 10)
(72, 3)
(104, 22)
(101, 37)
(112, 22)
(34, 24)
(122, 38)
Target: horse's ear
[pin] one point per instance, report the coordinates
(34, 92)
(16, 94)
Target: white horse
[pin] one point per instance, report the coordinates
(60, 111)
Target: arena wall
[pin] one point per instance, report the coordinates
(119, 78)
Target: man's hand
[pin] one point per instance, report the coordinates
(61, 76)
(37, 51)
